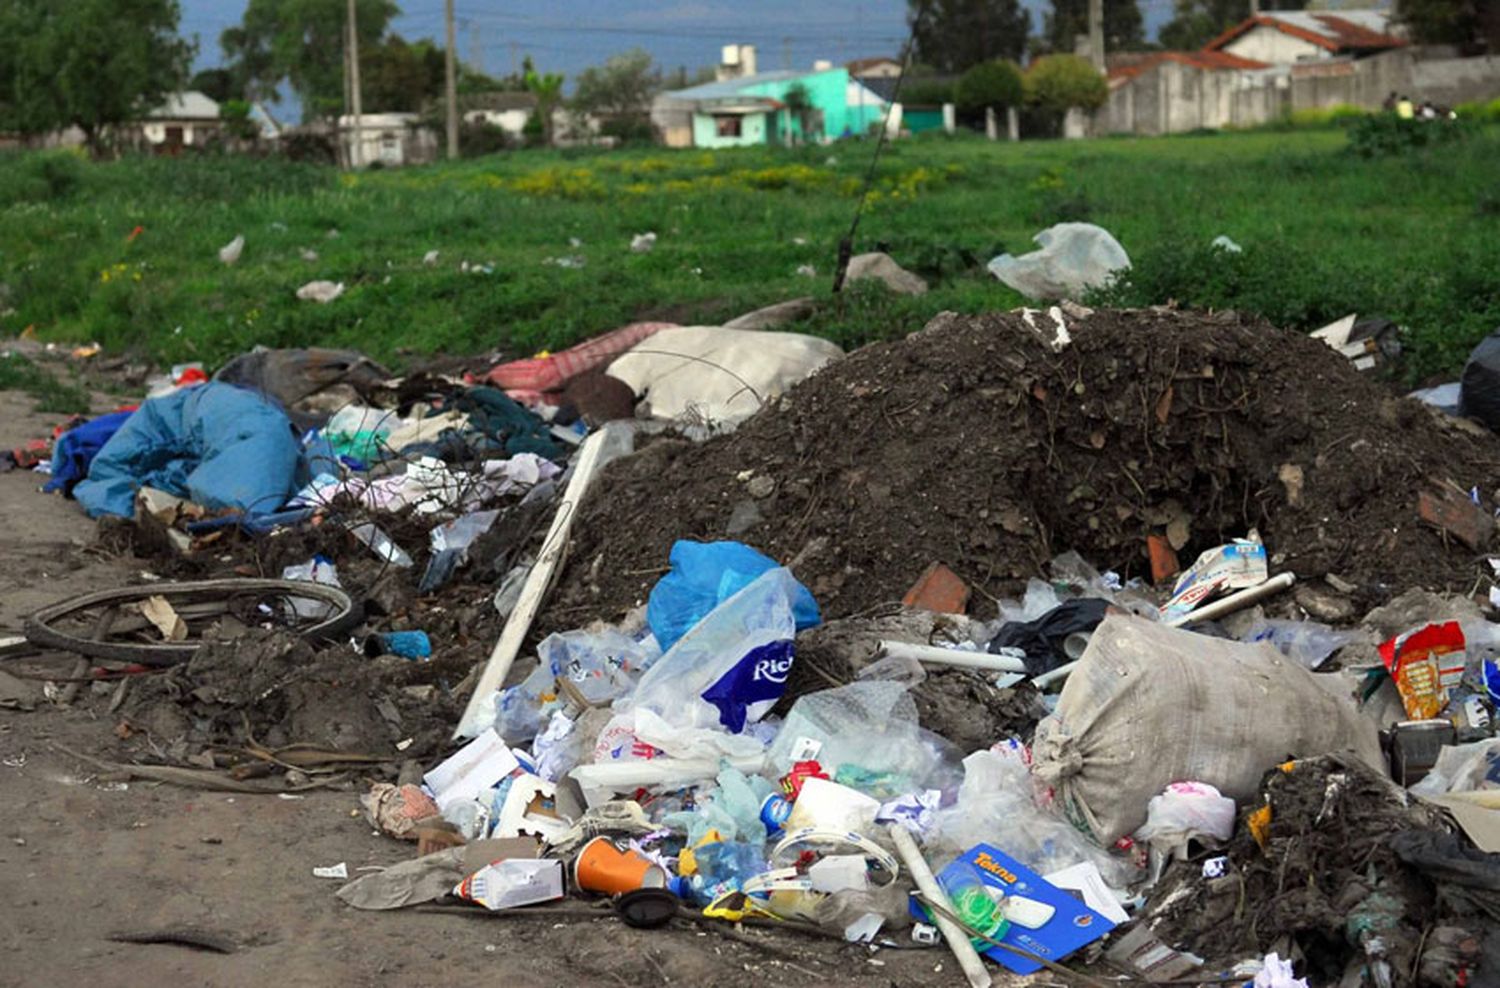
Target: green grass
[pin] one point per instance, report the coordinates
(1411, 237)
(52, 395)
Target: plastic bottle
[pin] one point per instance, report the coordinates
(979, 905)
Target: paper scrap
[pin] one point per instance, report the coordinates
(340, 870)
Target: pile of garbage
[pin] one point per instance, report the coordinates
(1146, 644)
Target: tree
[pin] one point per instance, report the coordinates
(799, 103)
(547, 88)
(87, 63)
(397, 77)
(953, 35)
(1123, 27)
(1473, 25)
(622, 87)
(217, 84)
(1197, 22)
(989, 85)
(1056, 84)
(301, 42)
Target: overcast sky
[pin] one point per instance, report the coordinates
(570, 36)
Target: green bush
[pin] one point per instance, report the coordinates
(47, 176)
(1381, 135)
(1323, 117)
(927, 92)
(989, 84)
(1479, 111)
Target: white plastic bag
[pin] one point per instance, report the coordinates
(731, 668)
(1074, 257)
(1462, 768)
(1185, 811)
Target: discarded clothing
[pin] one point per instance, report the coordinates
(498, 416)
(216, 445)
(76, 449)
(1042, 640)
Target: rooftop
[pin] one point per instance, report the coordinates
(730, 88)
(191, 105)
(1345, 30)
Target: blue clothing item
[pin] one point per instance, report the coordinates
(214, 444)
(76, 449)
(703, 576)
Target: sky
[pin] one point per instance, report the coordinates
(569, 36)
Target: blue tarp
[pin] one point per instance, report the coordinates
(76, 449)
(214, 444)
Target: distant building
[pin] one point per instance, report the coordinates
(878, 74)
(390, 140)
(745, 107)
(187, 119)
(1287, 37)
(507, 110)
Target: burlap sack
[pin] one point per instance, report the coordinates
(1150, 705)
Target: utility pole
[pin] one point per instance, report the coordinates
(450, 82)
(356, 151)
(1254, 8)
(1096, 33)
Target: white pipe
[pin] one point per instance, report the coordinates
(620, 776)
(1235, 601)
(952, 657)
(598, 449)
(955, 936)
(1046, 679)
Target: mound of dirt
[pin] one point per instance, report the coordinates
(973, 443)
(273, 688)
(1329, 882)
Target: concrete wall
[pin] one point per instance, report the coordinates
(1267, 44)
(1171, 98)
(1450, 81)
(706, 131)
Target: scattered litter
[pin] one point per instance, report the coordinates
(340, 870)
(1073, 258)
(320, 291)
(230, 252)
(643, 243)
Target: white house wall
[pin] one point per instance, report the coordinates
(1267, 44)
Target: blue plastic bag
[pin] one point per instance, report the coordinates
(703, 576)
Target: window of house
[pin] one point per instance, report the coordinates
(728, 126)
(174, 135)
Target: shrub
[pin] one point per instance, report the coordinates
(1059, 83)
(1384, 134)
(989, 84)
(927, 92)
(1322, 117)
(40, 177)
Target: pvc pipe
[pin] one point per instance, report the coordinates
(1046, 679)
(952, 657)
(1235, 601)
(620, 776)
(953, 934)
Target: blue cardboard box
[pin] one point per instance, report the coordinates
(1072, 926)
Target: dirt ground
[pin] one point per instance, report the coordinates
(84, 856)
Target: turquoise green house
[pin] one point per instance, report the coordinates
(752, 110)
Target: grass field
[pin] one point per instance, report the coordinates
(1414, 237)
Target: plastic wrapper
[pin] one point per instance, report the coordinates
(1309, 642)
(1072, 258)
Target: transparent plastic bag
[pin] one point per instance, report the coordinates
(601, 665)
(731, 668)
(865, 730)
(997, 805)
(1308, 642)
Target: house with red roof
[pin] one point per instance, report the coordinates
(1288, 37)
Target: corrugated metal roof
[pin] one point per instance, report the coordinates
(191, 105)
